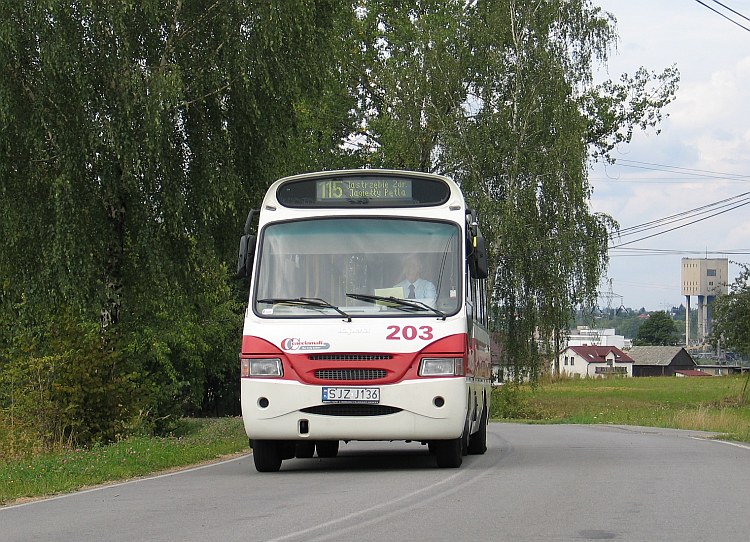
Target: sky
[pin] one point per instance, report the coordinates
(701, 156)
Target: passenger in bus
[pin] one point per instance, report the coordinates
(413, 285)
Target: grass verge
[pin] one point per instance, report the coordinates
(195, 441)
(706, 404)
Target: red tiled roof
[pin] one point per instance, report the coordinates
(692, 372)
(598, 354)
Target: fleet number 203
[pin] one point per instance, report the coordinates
(409, 333)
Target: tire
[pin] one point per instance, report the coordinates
(465, 438)
(449, 453)
(304, 449)
(478, 441)
(327, 448)
(287, 449)
(266, 455)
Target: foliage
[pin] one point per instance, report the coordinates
(512, 115)
(732, 314)
(134, 137)
(73, 387)
(657, 330)
(626, 321)
(732, 320)
(511, 402)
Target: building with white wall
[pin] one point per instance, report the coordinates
(595, 362)
(704, 279)
(586, 336)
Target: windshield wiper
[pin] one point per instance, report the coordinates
(406, 305)
(305, 302)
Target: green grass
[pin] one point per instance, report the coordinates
(708, 404)
(197, 440)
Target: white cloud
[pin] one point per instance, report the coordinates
(708, 129)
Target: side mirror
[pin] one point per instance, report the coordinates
(476, 252)
(246, 255)
(478, 266)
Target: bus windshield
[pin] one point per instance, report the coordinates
(358, 267)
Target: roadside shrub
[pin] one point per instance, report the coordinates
(510, 402)
(64, 383)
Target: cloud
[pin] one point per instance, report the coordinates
(708, 130)
(713, 116)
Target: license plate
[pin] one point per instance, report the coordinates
(350, 395)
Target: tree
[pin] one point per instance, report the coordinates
(731, 324)
(499, 96)
(658, 330)
(732, 320)
(134, 138)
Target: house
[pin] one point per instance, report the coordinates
(595, 361)
(660, 360)
(691, 373)
(723, 369)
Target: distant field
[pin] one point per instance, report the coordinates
(709, 404)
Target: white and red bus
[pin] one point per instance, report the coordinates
(341, 341)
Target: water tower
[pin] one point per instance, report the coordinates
(705, 279)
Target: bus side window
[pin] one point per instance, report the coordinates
(470, 297)
(476, 300)
(482, 302)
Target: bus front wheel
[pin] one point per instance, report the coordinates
(327, 448)
(266, 455)
(449, 453)
(304, 449)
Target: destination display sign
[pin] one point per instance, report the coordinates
(379, 189)
(346, 191)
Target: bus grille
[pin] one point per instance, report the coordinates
(350, 357)
(350, 374)
(351, 410)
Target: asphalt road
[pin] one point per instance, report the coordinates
(557, 482)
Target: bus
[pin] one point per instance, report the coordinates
(367, 317)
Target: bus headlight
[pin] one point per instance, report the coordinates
(268, 367)
(441, 367)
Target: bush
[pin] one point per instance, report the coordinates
(67, 380)
(64, 383)
(509, 401)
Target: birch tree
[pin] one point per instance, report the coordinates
(134, 137)
(500, 96)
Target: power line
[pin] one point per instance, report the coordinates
(688, 172)
(667, 181)
(651, 252)
(685, 215)
(722, 15)
(681, 170)
(681, 226)
(716, 208)
(730, 9)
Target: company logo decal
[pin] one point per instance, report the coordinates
(300, 344)
(353, 330)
